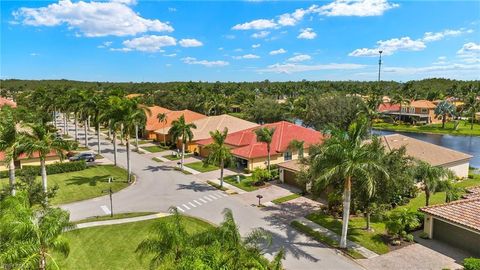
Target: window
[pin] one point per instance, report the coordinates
(287, 155)
(412, 109)
(424, 111)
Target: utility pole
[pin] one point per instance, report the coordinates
(379, 64)
(110, 192)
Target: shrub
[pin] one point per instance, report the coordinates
(424, 235)
(471, 263)
(260, 176)
(409, 237)
(401, 221)
(334, 203)
(54, 168)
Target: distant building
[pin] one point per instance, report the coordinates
(417, 111)
(152, 123)
(161, 131)
(7, 102)
(25, 160)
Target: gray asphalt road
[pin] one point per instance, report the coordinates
(159, 187)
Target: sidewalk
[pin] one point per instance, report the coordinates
(120, 221)
(360, 249)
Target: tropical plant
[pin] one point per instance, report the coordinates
(443, 110)
(401, 100)
(472, 105)
(296, 145)
(29, 236)
(162, 118)
(401, 221)
(183, 131)
(430, 177)
(218, 152)
(265, 135)
(345, 158)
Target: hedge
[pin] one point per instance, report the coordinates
(471, 263)
(54, 168)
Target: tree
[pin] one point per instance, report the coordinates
(218, 153)
(472, 105)
(401, 100)
(162, 118)
(430, 177)
(399, 222)
(296, 145)
(345, 157)
(183, 131)
(444, 109)
(265, 110)
(30, 236)
(265, 135)
(42, 140)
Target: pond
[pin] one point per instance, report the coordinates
(466, 144)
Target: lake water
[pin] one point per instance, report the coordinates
(466, 144)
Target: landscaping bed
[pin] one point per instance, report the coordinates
(198, 166)
(154, 149)
(246, 182)
(286, 198)
(157, 159)
(174, 157)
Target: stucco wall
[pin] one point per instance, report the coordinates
(274, 159)
(3, 167)
(460, 168)
(36, 161)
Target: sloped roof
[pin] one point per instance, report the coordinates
(422, 103)
(246, 145)
(462, 212)
(152, 121)
(190, 116)
(25, 156)
(388, 107)
(292, 165)
(7, 102)
(428, 152)
(219, 122)
(472, 192)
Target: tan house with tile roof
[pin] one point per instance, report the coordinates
(456, 223)
(417, 111)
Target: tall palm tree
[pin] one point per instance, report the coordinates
(162, 118)
(183, 131)
(400, 100)
(218, 153)
(10, 134)
(42, 140)
(346, 158)
(444, 109)
(29, 236)
(112, 115)
(265, 135)
(472, 105)
(296, 145)
(430, 177)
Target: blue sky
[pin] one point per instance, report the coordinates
(128, 40)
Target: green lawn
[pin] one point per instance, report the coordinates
(356, 231)
(113, 247)
(115, 216)
(154, 149)
(182, 171)
(174, 157)
(144, 141)
(433, 128)
(286, 198)
(246, 183)
(86, 184)
(157, 159)
(198, 166)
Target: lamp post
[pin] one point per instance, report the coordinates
(111, 202)
(379, 64)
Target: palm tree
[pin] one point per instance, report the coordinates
(401, 100)
(346, 158)
(112, 115)
(430, 177)
(265, 135)
(30, 237)
(444, 109)
(10, 134)
(296, 145)
(472, 105)
(183, 131)
(162, 118)
(41, 140)
(218, 153)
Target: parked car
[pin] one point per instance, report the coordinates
(89, 157)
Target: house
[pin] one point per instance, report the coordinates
(25, 160)
(152, 122)
(456, 223)
(251, 154)
(161, 131)
(417, 111)
(7, 102)
(213, 123)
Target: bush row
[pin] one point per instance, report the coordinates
(54, 168)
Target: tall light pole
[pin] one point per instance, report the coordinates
(379, 64)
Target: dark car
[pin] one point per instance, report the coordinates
(89, 157)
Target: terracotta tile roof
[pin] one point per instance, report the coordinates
(423, 103)
(8, 102)
(428, 152)
(388, 107)
(190, 116)
(245, 142)
(462, 212)
(24, 156)
(152, 121)
(472, 192)
(219, 122)
(291, 165)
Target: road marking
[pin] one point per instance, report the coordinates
(208, 198)
(213, 197)
(105, 209)
(218, 196)
(185, 206)
(197, 202)
(178, 207)
(223, 194)
(193, 205)
(200, 199)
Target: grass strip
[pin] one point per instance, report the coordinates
(286, 198)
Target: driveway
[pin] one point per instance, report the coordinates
(159, 187)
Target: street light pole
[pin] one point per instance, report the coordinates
(111, 201)
(379, 64)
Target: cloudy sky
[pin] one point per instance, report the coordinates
(128, 40)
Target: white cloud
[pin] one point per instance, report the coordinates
(391, 46)
(247, 56)
(91, 19)
(105, 44)
(470, 53)
(294, 68)
(34, 54)
(357, 8)
(279, 51)
(289, 19)
(307, 33)
(126, 2)
(229, 36)
(170, 55)
(261, 34)
(431, 36)
(299, 58)
(441, 60)
(190, 42)
(150, 43)
(238, 50)
(194, 61)
(431, 69)
(256, 46)
(256, 25)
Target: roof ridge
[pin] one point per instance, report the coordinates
(451, 203)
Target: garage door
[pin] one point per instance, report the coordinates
(457, 237)
(289, 178)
